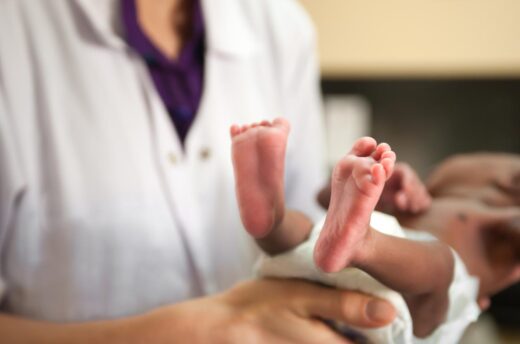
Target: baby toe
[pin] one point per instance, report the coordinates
(364, 146)
(380, 150)
(378, 174)
(234, 130)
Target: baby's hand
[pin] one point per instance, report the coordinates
(404, 192)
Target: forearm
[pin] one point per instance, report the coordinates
(250, 312)
(19, 330)
(164, 325)
(294, 228)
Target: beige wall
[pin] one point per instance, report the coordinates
(432, 38)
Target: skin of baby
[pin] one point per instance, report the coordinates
(258, 152)
(492, 178)
(486, 238)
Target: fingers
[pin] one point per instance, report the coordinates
(413, 196)
(318, 332)
(348, 307)
(291, 311)
(401, 201)
(484, 303)
(305, 331)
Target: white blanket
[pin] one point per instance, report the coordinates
(463, 309)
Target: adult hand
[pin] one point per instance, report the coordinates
(404, 192)
(258, 311)
(287, 311)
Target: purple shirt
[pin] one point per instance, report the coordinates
(179, 82)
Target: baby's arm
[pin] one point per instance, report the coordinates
(493, 178)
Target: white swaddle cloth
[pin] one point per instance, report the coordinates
(463, 309)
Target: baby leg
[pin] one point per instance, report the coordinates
(421, 271)
(357, 182)
(258, 153)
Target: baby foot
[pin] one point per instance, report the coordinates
(258, 152)
(357, 182)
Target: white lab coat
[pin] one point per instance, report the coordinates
(102, 212)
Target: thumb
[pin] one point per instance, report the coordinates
(401, 200)
(348, 307)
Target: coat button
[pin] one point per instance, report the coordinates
(205, 153)
(172, 158)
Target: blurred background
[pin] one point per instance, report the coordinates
(431, 77)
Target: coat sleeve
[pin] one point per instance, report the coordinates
(10, 181)
(306, 171)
